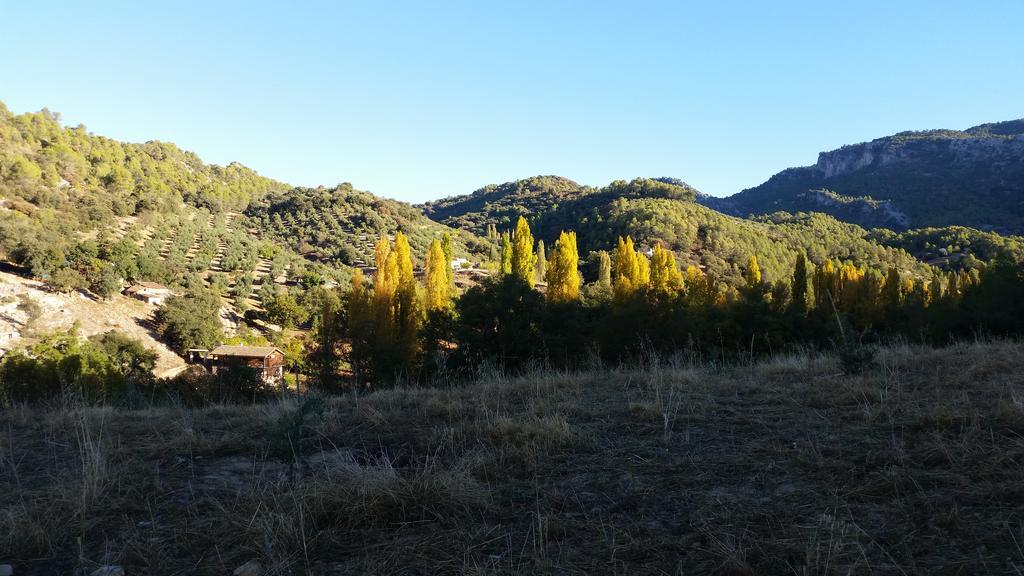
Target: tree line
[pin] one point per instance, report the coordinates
(538, 308)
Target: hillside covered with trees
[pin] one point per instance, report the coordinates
(79, 210)
(340, 225)
(663, 211)
(934, 178)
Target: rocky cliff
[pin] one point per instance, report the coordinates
(973, 177)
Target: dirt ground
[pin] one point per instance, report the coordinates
(62, 311)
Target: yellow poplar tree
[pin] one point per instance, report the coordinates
(753, 272)
(631, 270)
(563, 274)
(385, 285)
(624, 268)
(643, 271)
(666, 278)
(436, 285)
(523, 260)
(407, 310)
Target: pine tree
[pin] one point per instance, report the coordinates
(436, 284)
(523, 260)
(604, 269)
(563, 275)
(506, 253)
(541, 270)
(798, 288)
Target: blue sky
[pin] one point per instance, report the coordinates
(418, 100)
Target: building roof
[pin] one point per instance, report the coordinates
(244, 351)
(151, 285)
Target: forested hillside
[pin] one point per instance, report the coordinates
(934, 178)
(74, 202)
(84, 211)
(663, 211)
(340, 225)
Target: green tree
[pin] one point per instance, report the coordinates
(506, 253)
(604, 269)
(449, 255)
(191, 320)
(541, 269)
(104, 280)
(324, 354)
(798, 287)
(284, 310)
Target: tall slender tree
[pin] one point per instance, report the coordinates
(523, 259)
(798, 287)
(563, 274)
(604, 269)
(752, 273)
(625, 269)
(506, 253)
(385, 286)
(449, 255)
(436, 284)
(666, 278)
(541, 270)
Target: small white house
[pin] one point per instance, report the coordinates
(149, 292)
(459, 263)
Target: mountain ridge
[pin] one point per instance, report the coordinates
(972, 177)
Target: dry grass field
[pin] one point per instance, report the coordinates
(788, 466)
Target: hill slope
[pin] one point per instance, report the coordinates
(77, 209)
(971, 178)
(340, 225)
(663, 210)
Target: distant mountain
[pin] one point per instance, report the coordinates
(971, 178)
(502, 204)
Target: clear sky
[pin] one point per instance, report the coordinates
(422, 99)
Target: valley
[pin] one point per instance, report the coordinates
(205, 371)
